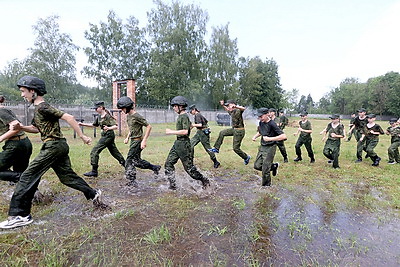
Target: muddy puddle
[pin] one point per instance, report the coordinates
(233, 223)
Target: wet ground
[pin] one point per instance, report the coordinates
(233, 223)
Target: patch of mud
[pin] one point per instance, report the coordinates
(233, 222)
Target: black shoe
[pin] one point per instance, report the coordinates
(366, 156)
(285, 160)
(156, 169)
(330, 161)
(376, 162)
(172, 187)
(216, 164)
(91, 174)
(312, 160)
(358, 161)
(274, 168)
(298, 159)
(132, 183)
(206, 183)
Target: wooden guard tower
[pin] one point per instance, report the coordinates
(123, 88)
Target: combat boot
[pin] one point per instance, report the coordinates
(298, 159)
(156, 169)
(92, 173)
(205, 182)
(10, 176)
(216, 163)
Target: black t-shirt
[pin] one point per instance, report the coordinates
(269, 129)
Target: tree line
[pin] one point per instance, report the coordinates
(169, 56)
(172, 56)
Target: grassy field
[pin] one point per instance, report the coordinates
(313, 215)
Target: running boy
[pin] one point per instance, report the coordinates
(393, 151)
(305, 138)
(53, 154)
(107, 124)
(138, 142)
(202, 134)
(371, 134)
(237, 131)
(270, 134)
(181, 148)
(333, 132)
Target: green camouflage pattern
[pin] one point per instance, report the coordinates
(46, 120)
(7, 116)
(136, 122)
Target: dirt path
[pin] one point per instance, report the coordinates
(235, 222)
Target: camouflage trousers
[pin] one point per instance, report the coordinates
(107, 140)
(263, 162)
(393, 151)
(204, 139)
(134, 160)
(306, 141)
(238, 135)
(370, 145)
(360, 144)
(181, 150)
(332, 151)
(53, 154)
(15, 154)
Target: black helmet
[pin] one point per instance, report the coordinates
(34, 83)
(192, 107)
(180, 101)
(98, 104)
(229, 101)
(125, 102)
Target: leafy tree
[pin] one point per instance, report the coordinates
(118, 51)
(263, 90)
(222, 66)
(176, 65)
(290, 99)
(53, 59)
(9, 77)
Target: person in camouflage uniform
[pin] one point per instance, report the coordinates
(393, 151)
(352, 119)
(270, 134)
(371, 134)
(181, 150)
(107, 124)
(17, 147)
(237, 131)
(333, 132)
(53, 154)
(359, 123)
(304, 131)
(280, 123)
(202, 134)
(138, 141)
(283, 120)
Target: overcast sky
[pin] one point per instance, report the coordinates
(316, 43)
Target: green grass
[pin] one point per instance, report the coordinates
(234, 222)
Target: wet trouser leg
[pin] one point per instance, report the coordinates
(134, 159)
(53, 154)
(263, 162)
(15, 154)
(393, 151)
(221, 136)
(238, 136)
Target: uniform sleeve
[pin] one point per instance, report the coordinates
(7, 116)
(142, 121)
(50, 113)
(186, 123)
